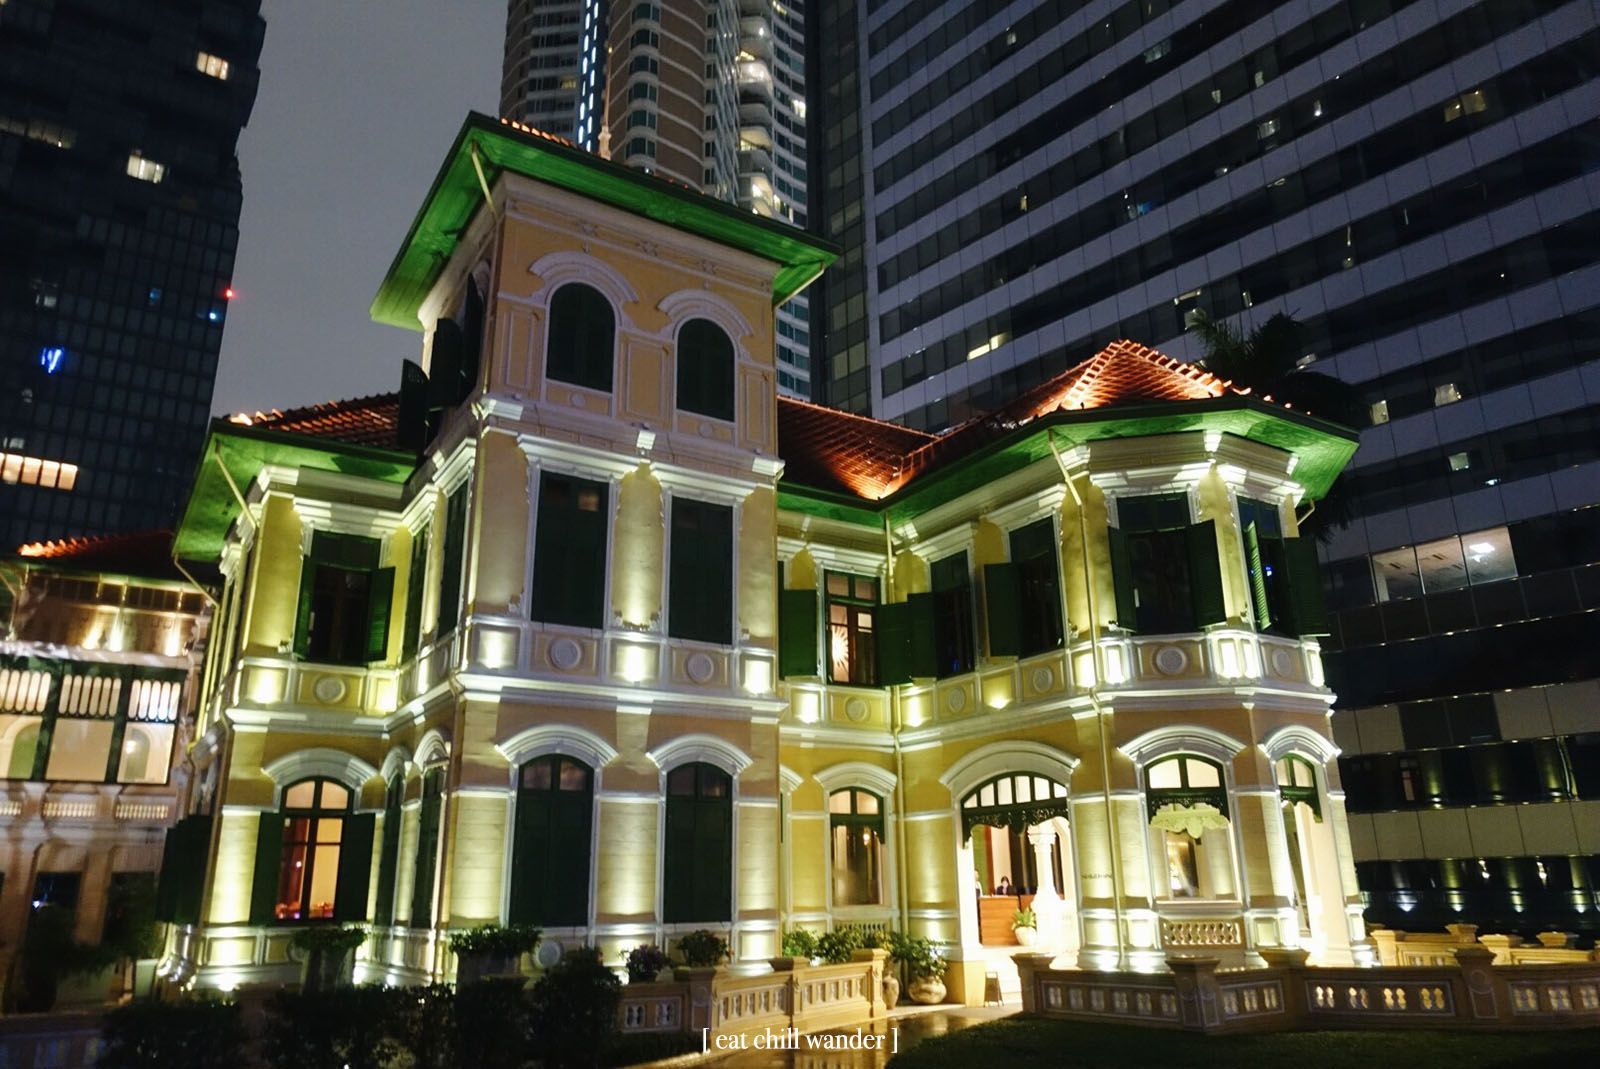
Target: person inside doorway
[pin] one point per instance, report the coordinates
(1004, 887)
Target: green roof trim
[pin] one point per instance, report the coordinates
(1323, 450)
(456, 196)
(212, 507)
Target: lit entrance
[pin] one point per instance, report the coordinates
(1015, 830)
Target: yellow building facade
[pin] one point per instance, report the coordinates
(586, 629)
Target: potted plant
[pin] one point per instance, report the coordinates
(924, 966)
(835, 947)
(645, 963)
(702, 951)
(329, 959)
(1025, 926)
(799, 947)
(492, 950)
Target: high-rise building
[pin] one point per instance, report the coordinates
(1416, 181)
(711, 95)
(554, 74)
(119, 211)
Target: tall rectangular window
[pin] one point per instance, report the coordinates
(852, 650)
(569, 555)
(1167, 575)
(345, 597)
(700, 573)
(1261, 528)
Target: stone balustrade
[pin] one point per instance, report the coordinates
(1438, 948)
(1470, 992)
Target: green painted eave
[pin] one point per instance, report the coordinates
(456, 196)
(212, 507)
(1323, 450)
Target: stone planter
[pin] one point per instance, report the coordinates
(1026, 936)
(325, 970)
(475, 965)
(928, 990)
(787, 963)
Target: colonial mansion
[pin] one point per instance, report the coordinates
(586, 628)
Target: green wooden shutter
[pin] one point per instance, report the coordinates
(389, 856)
(412, 419)
(192, 859)
(1307, 611)
(269, 856)
(922, 650)
(418, 577)
(380, 602)
(455, 537)
(1258, 576)
(711, 858)
(891, 632)
(677, 897)
(1002, 599)
(302, 617)
(183, 870)
(355, 869)
(427, 856)
(530, 856)
(1122, 581)
(1205, 573)
(797, 633)
(566, 874)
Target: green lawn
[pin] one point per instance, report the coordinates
(1016, 1042)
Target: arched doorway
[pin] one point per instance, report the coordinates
(1015, 831)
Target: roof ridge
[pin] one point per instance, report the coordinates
(857, 416)
(60, 547)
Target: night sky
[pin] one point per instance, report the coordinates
(359, 102)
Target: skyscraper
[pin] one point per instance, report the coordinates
(711, 95)
(554, 74)
(119, 209)
(1414, 180)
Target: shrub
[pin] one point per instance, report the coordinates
(517, 939)
(493, 1019)
(645, 962)
(836, 946)
(353, 1027)
(199, 1032)
(919, 956)
(574, 1011)
(702, 947)
(336, 939)
(799, 943)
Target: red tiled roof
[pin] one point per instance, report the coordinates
(839, 451)
(872, 460)
(144, 553)
(370, 421)
(834, 450)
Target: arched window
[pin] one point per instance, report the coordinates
(319, 852)
(705, 369)
(581, 347)
(855, 819)
(1302, 807)
(550, 858)
(698, 867)
(389, 856)
(1187, 797)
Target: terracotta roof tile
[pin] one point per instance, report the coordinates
(1124, 372)
(372, 421)
(143, 553)
(833, 450)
